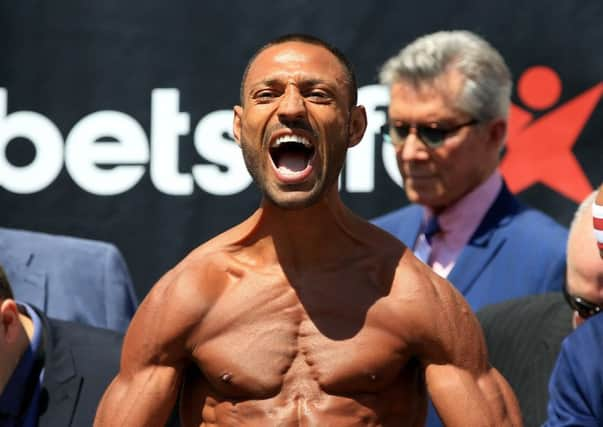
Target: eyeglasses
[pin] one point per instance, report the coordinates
(584, 308)
(432, 135)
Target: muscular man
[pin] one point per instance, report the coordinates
(304, 314)
(576, 384)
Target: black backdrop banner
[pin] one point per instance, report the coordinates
(115, 117)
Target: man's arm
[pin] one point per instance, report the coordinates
(156, 351)
(464, 388)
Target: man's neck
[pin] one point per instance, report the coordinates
(316, 235)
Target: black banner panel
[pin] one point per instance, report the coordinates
(116, 117)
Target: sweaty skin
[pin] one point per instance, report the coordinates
(304, 314)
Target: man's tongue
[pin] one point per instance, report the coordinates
(291, 163)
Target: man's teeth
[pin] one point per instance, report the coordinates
(292, 138)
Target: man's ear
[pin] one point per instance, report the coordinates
(497, 132)
(9, 320)
(236, 123)
(357, 125)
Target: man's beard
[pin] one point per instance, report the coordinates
(252, 158)
(252, 162)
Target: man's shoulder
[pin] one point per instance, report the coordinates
(84, 336)
(588, 337)
(50, 243)
(397, 214)
(93, 351)
(527, 223)
(197, 280)
(391, 220)
(539, 308)
(416, 283)
(581, 354)
(528, 228)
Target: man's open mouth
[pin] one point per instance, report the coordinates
(292, 156)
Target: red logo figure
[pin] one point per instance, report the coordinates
(541, 150)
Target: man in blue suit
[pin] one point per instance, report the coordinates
(449, 100)
(576, 386)
(52, 373)
(450, 96)
(69, 278)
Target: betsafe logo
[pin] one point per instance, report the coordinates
(539, 150)
(108, 152)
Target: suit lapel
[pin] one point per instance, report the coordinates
(485, 242)
(60, 409)
(62, 384)
(408, 230)
(28, 283)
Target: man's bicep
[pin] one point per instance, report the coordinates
(154, 356)
(144, 397)
(146, 388)
(463, 398)
(462, 384)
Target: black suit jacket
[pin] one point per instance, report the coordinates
(79, 363)
(524, 338)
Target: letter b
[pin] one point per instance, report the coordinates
(48, 143)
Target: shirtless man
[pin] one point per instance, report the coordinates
(304, 314)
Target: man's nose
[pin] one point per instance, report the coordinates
(412, 149)
(292, 106)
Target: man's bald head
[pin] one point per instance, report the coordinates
(584, 264)
(306, 38)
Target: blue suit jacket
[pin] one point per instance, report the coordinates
(79, 363)
(515, 251)
(576, 385)
(69, 278)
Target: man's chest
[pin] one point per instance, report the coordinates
(260, 342)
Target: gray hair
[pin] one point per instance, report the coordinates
(583, 209)
(486, 94)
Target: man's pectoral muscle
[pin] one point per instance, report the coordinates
(253, 349)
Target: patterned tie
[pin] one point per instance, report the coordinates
(431, 229)
(423, 252)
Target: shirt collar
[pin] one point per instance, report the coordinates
(461, 219)
(26, 374)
